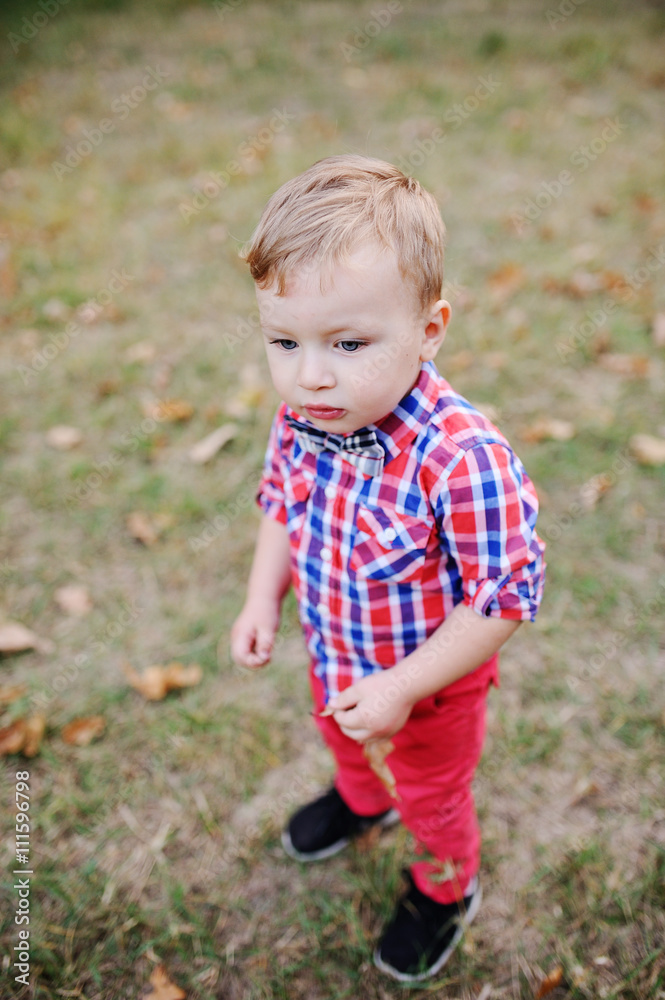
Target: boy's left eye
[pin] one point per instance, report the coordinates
(350, 345)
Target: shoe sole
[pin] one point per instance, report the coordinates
(465, 920)
(388, 820)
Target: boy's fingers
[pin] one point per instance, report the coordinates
(254, 660)
(359, 735)
(344, 700)
(348, 719)
(242, 644)
(264, 641)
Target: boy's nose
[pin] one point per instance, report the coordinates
(314, 373)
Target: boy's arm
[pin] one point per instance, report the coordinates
(379, 705)
(253, 631)
(487, 508)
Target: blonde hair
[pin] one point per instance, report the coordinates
(340, 204)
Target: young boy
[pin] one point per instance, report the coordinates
(404, 522)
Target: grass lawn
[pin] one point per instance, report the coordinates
(138, 144)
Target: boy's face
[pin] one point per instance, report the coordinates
(343, 348)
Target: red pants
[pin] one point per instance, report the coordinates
(434, 760)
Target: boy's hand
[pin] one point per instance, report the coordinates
(253, 633)
(373, 708)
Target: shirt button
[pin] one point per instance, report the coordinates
(323, 610)
(330, 492)
(326, 555)
(389, 535)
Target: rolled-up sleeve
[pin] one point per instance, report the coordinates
(270, 495)
(487, 509)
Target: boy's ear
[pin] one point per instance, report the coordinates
(436, 322)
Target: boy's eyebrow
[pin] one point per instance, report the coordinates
(346, 328)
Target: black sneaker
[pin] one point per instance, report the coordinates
(326, 826)
(422, 934)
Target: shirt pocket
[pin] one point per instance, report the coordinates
(389, 545)
(298, 487)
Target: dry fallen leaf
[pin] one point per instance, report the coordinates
(252, 392)
(162, 987)
(141, 527)
(376, 752)
(74, 600)
(548, 428)
(64, 438)
(585, 789)
(16, 638)
(645, 203)
(11, 693)
(505, 281)
(12, 737)
(35, 727)
(594, 488)
(615, 282)
(81, 732)
(244, 404)
(578, 286)
(169, 411)
(142, 352)
(550, 982)
(628, 365)
(647, 450)
(23, 736)
(108, 387)
(155, 682)
(208, 447)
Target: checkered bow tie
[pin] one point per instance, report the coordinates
(362, 449)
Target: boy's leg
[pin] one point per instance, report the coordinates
(358, 801)
(355, 781)
(434, 761)
(435, 757)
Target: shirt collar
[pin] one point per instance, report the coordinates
(404, 423)
(411, 414)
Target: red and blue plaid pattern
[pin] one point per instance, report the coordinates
(378, 562)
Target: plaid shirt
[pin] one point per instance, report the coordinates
(379, 562)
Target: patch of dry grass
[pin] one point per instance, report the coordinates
(161, 840)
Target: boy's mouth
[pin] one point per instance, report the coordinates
(325, 412)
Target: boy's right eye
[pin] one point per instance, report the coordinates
(287, 345)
